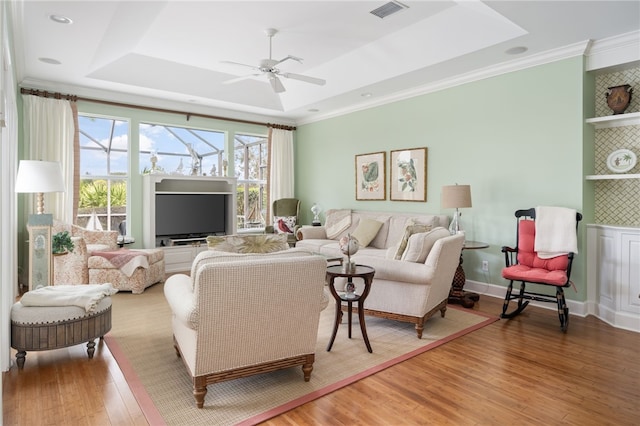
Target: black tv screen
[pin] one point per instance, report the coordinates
(190, 215)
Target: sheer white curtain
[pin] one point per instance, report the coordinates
(280, 164)
(49, 132)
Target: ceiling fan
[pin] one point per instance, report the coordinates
(268, 68)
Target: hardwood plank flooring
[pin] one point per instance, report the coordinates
(524, 371)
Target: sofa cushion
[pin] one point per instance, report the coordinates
(337, 222)
(284, 224)
(366, 231)
(254, 243)
(420, 244)
(408, 232)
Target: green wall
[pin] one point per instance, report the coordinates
(517, 139)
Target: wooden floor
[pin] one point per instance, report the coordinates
(519, 372)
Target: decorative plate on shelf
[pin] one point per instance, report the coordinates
(621, 160)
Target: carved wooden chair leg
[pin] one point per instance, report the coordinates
(199, 390)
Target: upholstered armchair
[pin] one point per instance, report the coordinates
(237, 315)
(72, 267)
(286, 218)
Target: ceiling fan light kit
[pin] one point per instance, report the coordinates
(267, 67)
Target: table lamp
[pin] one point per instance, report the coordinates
(455, 197)
(316, 209)
(39, 177)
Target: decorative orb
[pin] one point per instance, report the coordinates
(349, 245)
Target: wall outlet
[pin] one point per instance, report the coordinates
(485, 265)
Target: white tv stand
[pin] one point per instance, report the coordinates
(180, 253)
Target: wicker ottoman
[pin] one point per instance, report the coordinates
(103, 271)
(40, 328)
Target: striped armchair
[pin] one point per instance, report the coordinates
(244, 314)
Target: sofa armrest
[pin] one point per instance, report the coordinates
(397, 270)
(178, 290)
(312, 233)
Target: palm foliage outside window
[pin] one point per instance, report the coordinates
(104, 159)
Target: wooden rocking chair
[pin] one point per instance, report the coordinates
(523, 264)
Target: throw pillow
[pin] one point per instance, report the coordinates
(337, 222)
(284, 224)
(408, 232)
(366, 231)
(420, 244)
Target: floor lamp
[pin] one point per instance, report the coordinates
(456, 197)
(38, 177)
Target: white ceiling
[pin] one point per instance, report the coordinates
(154, 52)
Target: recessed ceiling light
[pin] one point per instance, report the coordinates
(60, 19)
(366, 94)
(516, 50)
(50, 61)
(313, 110)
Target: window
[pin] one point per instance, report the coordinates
(250, 162)
(180, 150)
(104, 159)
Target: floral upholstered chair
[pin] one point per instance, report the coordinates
(72, 267)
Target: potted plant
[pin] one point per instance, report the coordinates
(62, 243)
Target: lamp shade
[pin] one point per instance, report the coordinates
(39, 177)
(456, 196)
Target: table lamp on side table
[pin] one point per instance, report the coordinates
(456, 197)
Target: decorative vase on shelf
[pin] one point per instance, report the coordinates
(619, 97)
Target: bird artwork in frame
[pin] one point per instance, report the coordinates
(370, 176)
(408, 175)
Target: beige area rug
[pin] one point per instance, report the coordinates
(141, 341)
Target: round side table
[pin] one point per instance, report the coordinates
(361, 271)
(457, 294)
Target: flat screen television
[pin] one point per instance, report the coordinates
(190, 215)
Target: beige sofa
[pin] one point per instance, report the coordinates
(414, 256)
(243, 314)
(388, 237)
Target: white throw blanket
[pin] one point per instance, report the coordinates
(337, 222)
(84, 296)
(555, 232)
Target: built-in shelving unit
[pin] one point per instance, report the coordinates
(618, 120)
(180, 256)
(607, 122)
(620, 176)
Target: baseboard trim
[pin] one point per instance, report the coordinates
(582, 309)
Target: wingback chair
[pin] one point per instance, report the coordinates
(72, 268)
(242, 314)
(286, 210)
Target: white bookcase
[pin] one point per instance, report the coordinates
(179, 255)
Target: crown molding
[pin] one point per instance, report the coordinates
(614, 52)
(570, 51)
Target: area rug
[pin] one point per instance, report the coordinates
(141, 342)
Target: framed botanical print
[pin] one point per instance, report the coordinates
(408, 175)
(370, 176)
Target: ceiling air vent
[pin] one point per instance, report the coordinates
(388, 9)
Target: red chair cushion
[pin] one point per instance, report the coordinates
(530, 267)
(535, 275)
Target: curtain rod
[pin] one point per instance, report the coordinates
(74, 98)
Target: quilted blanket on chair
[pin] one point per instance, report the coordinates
(125, 260)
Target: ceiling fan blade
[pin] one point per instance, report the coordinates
(304, 78)
(276, 84)
(295, 58)
(242, 65)
(241, 78)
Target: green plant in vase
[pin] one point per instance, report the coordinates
(62, 243)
